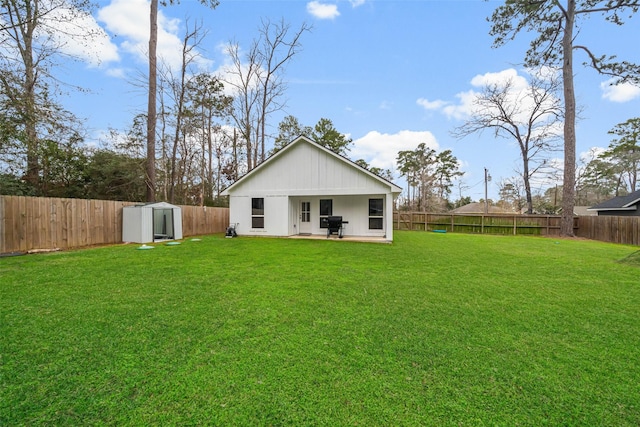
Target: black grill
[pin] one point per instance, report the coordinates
(334, 226)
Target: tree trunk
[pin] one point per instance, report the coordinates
(179, 115)
(165, 150)
(247, 135)
(151, 111)
(568, 189)
(27, 28)
(527, 187)
(210, 155)
(33, 166)
(235, 155)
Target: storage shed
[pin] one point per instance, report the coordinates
(151, 222)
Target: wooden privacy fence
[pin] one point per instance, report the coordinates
(616, 229)
(28, 223)
(541, 225)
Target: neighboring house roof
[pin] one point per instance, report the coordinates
(290, 148)
(583, 211)
(477, 208)
(629, 202)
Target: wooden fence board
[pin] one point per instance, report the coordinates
(623, 230)
(2, 226)
(28, 223)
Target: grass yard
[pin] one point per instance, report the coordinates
(436, 329)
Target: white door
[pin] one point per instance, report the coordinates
(305, 218)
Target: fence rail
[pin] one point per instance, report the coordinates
(28, 223)
(623, 230)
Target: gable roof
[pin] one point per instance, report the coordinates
(620, 203)
(304, 140)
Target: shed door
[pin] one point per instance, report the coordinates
(162, 224)
(305, 217)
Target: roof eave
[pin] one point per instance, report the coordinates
(630, 204)
(632, 208)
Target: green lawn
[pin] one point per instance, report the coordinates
(436, 329)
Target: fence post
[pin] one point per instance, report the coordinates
(548, 220)
(2, 238)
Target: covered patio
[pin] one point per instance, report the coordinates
(364, 239)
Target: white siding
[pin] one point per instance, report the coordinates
(304, 171)
(276, 216)
(307, 170)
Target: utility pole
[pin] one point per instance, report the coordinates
(487, 178)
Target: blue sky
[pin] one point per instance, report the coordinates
(390, 74)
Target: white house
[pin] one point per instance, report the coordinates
(295, 190)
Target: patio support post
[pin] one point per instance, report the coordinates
(388, 216)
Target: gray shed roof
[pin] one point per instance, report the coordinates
(624, 203)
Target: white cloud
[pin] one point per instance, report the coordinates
(356, 3)
(464, 108)
(500, 79)
(116, 72)
(79, 35)
(622, 92)
(381, 149)
(323, 10)
(431, 105)
(518, 94)
(385, 105)
(128, 20)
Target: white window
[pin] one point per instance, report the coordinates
(257, 212)
(376, 214)
(326, 210)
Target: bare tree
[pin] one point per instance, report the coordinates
(430, 174)
(510, 192)
(31, 38)
(206, 102)
(556, 23)
(243, 77)
(179, 87)
(151, 105)
(275, 52)
(528, 116)
(257, 77)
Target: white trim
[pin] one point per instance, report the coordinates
(393, 187)
(632, 208)
(628, 205)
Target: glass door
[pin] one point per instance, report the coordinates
(305, 217)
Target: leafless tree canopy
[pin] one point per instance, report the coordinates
(258, 80)
(530, 117)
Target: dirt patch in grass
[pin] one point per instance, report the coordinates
(633, 259)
